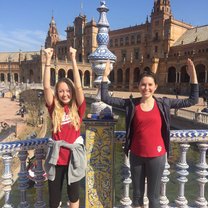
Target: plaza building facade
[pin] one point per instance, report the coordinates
(162, 42)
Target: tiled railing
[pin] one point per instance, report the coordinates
(185, 138)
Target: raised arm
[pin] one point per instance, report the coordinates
(77, 80)
(106, 71)
(194, 90)
(48, 93)
(114, 101)
(191, 71)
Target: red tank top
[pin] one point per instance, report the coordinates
(147, 139)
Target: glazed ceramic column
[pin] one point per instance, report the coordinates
(100, 132)
(99, 191)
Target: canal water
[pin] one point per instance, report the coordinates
(191, 188)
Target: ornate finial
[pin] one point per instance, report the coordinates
(102, 2)
(81, 8)
(101, 54)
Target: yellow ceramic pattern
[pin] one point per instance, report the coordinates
(99, 176)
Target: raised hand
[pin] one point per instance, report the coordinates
(191, 71)
(48, 53)
(190, 67)
(72, 52)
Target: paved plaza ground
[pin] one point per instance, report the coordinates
(9, 108)
(8, 111)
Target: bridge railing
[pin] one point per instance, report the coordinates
(184, 138)
(197, 117)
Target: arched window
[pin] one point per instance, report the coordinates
(184, 75)
(87, 78)
(31, 76)
(127, 75)
(61, 73)
(111, 76)
(200, 70)
(120, 75)
(2, 77)
(70, 74)
(15, 77)
(136, 74)
(53, 77)
(172, 75)
(147, 69)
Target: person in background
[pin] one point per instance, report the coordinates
(66, 107)
(148, 131)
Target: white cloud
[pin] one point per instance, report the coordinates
(26, 40)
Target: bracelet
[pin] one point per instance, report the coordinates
(47, 65)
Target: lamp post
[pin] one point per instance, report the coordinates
(10, 73)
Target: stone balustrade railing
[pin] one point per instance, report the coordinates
(20, 149)
(197, 117)
(185, 138)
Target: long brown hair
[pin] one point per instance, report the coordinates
(58, 112)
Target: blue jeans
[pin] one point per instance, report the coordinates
(151, 168)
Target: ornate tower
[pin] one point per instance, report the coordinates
(160, 28)
(53, 36)
(162, 9)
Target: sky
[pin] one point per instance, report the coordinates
(24, 24)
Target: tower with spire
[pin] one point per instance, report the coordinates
(52, 36)
(160, 25)
(161, 9)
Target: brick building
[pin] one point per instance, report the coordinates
(162, 42)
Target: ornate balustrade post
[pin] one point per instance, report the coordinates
(23, 179)
(182, 166)
(99, 191)
(164, 180)
(7, 149)
(7, 179)
(202, 173)
(39, 178)
(126, 174)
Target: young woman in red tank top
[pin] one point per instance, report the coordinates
(148, 131)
